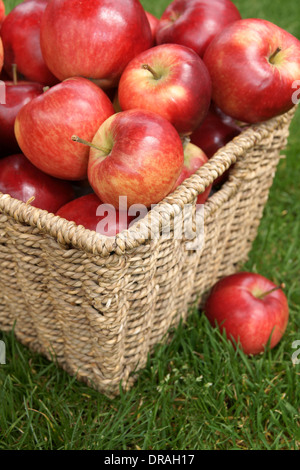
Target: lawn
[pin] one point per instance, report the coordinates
(196, 392)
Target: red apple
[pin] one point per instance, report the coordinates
(194, 23)
(170, 80)
(90, 212)
(94, 39)
(194, 158)
(20, 34)
(140, 156)
(17, 94)
(44, 126)
(2, 11)
(253, 64)
(153, 21)
(250, 309)
(22, 180)
(216, 130)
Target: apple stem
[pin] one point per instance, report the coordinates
(150, 69)
(14, 74)
(272, 57)
(46, 88)
(75, 138)
(185, 141)
(264, 294)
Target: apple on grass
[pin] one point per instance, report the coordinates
(44, 126)
(137, 154)
(17, 94)
(194, 158)
(170, 80)
(20, 34)
(250, 309)
(94, 39)
(253, 64)
(90, 212)
(22, 180)
(194, 23)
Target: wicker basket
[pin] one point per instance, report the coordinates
(99, 305)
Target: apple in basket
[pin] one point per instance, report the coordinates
(194, 158)
(22, 180)
(194, 23)
(170, 80)
(137, 154)
(44, 126)
(153, 21)
(250, 309)
(94, 39)
(20, 34)
(17, 94)
(216, 131)
(90, 212)
(253, 64)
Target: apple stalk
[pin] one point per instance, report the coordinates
(75, 138)
(14, 74)
(151, 70)
(264, 294)
(272, 57)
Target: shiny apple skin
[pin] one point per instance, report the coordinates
(22, 180)
(182, 94)
(20, 34)
(45, 125)
(194, 158)
(194, 23)
(246, 86)
(83, 211)
(233, 305)
(17, 95)
(110, 33)
(144, 161)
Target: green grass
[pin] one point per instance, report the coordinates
(196, 392)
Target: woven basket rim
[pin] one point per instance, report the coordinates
(68, 233)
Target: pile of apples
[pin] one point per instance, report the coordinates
(102, 100)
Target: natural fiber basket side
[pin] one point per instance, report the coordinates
(99, 305)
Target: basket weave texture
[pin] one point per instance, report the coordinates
(99, 305)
